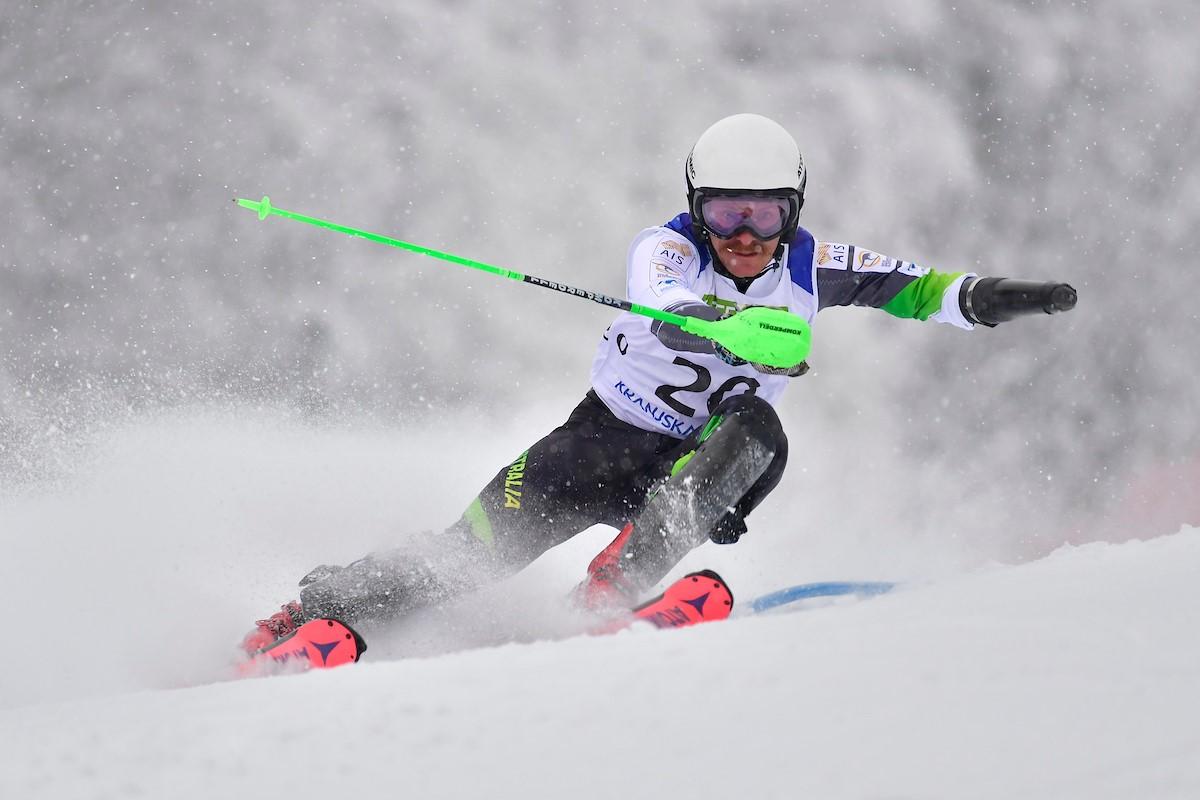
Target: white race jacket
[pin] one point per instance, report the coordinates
(673, 392)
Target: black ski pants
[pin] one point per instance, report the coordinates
(595, 468)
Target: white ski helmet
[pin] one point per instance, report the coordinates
(746, 154)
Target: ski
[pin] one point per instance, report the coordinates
(705, 597)
(693, 599)
(696, 598)
(317, 644)
(806, 591)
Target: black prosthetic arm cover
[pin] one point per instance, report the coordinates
(990, 301)
(675, 338)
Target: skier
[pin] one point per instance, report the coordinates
(677, 440)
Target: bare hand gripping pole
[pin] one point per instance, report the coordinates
(769, 336)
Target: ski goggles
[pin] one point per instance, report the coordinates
(764, 216)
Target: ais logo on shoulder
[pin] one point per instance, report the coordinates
(674, 251)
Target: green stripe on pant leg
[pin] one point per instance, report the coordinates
(481, 526)
(682, 461)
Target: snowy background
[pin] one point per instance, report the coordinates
(196, 407)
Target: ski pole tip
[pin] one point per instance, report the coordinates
(263, 207)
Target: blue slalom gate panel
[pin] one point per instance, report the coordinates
(828, 589)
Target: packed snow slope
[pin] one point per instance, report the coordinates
(1076, 675)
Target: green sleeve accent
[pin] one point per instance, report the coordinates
(481, 526)
(922, 298)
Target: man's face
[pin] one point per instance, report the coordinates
(744, 255)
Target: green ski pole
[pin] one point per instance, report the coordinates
(769, 336)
